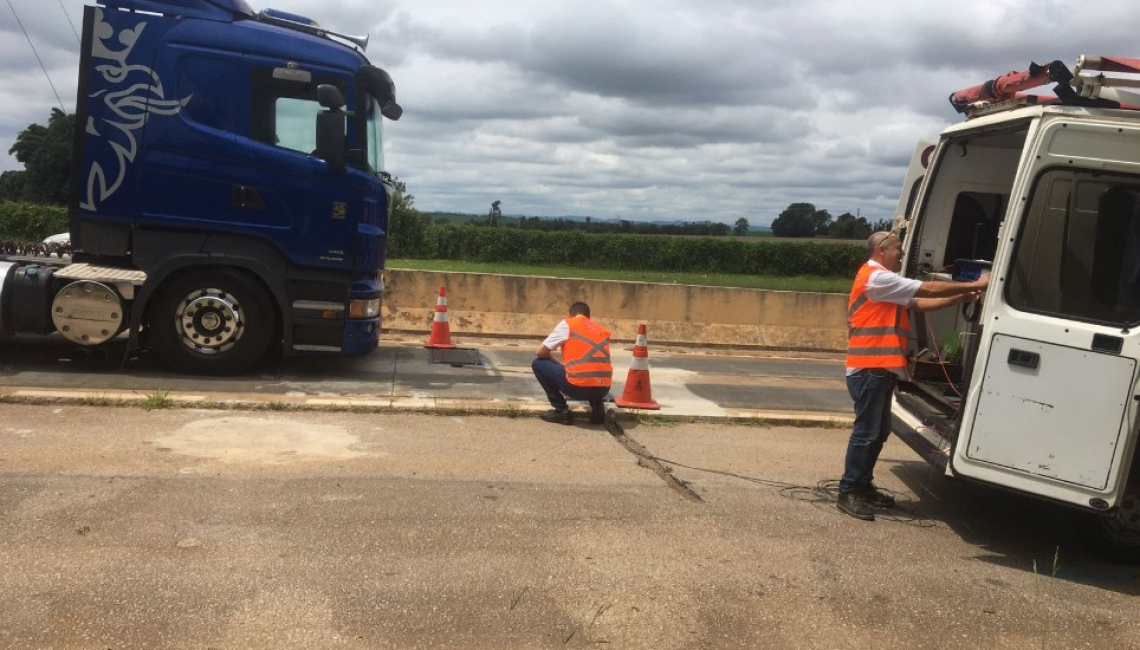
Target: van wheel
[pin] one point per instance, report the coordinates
(1116, 537)
(214, 322)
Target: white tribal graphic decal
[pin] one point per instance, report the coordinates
(129, 108)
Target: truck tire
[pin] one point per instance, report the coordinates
(212, 322)
(1116, 537)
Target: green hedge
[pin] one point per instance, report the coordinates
(31, 221)
(637, 252)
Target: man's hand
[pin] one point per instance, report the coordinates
(981, 283)
(973, 296)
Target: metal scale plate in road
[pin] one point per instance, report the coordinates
(455, 357)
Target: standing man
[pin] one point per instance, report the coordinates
(878, 324)
(585, 372)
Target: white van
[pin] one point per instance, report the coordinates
(1036, 388)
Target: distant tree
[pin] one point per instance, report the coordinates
(848, 226)
(12, 185)
(882, 224)
(741, 227)
(46, 154)
(495, 213)
(406, 224)
(801, 220)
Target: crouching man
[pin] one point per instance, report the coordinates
(585, 373)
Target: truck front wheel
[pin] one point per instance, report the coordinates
(215, 322)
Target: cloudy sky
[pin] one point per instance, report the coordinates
(646, 109)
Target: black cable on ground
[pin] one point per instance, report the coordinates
(823, 494)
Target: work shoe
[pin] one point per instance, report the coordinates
(558, 416)
(597, 413)
(876, 499)
(853, 504)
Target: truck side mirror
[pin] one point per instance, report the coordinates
(330, 124)
(380, 86)
(330, 97)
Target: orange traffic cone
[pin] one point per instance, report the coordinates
(637, 394)
(440, 330)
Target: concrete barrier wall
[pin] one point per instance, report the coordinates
(528, 307)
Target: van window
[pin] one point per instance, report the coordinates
(974, 226)
(1078, 253)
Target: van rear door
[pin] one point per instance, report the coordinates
(916, 171)
(1052, 407)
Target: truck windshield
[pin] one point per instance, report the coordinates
(375, 137)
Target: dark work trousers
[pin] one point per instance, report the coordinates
(552, 377)
(871, 388)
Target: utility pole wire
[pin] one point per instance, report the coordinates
(73, 31)
(37, 55)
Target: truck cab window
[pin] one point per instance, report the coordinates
(284, 112)
(296, 121)
(1078, 255)
(375, 137)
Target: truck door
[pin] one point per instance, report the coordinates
(122, 92)
(1051, 408)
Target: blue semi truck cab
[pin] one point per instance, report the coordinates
(229, 194)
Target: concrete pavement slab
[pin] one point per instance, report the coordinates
(194, 528)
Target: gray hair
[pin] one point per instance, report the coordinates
(876, 240)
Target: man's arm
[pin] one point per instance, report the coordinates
(934, 304)
(940, 289)
(554, 341)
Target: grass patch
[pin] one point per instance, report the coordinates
(803, 284)
(513, 412)
(159, 399)
(651, 420)
(100, 401)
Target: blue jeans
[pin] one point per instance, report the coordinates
(871, 388)
(552, 377)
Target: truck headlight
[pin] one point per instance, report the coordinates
(364, 308)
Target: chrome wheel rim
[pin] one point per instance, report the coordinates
(209, 321)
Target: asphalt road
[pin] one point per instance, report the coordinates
(695, 382)
(199, 529)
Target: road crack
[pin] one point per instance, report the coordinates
(650, 462)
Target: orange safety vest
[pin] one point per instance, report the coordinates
(586, 354)
(876, 331)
